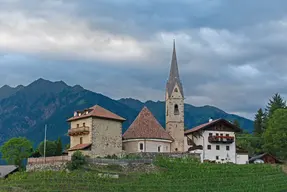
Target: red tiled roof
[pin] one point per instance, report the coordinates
(80, 146)
(145, 126)
(98, 111)
(208, 124)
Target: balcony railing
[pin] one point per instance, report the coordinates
(221, 139)
(79, 131)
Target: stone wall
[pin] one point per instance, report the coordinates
(98, 161)
(56, 166)
(106, 137)
(151, 155)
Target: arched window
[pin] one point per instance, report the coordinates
(81, 140)
(141, 146)
(159, 149)
(175, 90)
(176, 111)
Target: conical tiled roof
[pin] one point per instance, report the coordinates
(145, 126)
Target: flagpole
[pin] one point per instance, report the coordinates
(45, 144)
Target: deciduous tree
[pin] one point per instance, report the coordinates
(15, 150)
(275, 136)
(51, 148)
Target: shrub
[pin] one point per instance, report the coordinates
(77, 161)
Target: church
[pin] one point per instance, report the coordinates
(97, 132)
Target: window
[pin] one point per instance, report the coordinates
(217, 147)
(210, 134)
(141, 146)
(158, 148)
(209, 147)
(84, 124)
(227, 148)
(176, 111)
(175, 90)
(176, 149)
(221, 134)
(217, 157)
(167, 112)
(78, 125)
(216, 134)
(81, 140)
(227, 135)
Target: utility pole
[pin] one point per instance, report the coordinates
(45, 144)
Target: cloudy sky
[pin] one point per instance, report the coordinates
(231, 54)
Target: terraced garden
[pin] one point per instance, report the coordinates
(182, 175)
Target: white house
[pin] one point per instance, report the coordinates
(214, 141)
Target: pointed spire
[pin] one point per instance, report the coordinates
(173, 74)
(173, 68)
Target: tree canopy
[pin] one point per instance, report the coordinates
(51, 148)
(258, 123)
(275, 136)
(59, 148)
(15, 150)
(276, 102)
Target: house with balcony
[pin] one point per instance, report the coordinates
(214, 141)
(96, 132)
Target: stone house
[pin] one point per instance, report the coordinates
(95, 132)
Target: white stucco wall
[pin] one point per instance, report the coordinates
(149, 145)
(210, 154)
(242, 159)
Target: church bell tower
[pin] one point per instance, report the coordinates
(174, 104)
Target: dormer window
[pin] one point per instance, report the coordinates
(75, 114)
(176, 111)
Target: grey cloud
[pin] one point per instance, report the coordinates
(232, 54)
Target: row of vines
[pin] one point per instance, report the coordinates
(183, 175)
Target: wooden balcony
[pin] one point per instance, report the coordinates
(79, 131)
(221, 139)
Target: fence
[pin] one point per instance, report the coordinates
(42, 160)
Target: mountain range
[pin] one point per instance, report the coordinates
(25, 110)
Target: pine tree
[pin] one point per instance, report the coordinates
(276, 102)
(237, 124)
(59, 147)
(258, 123)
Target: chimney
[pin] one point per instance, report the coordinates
(210, 119)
